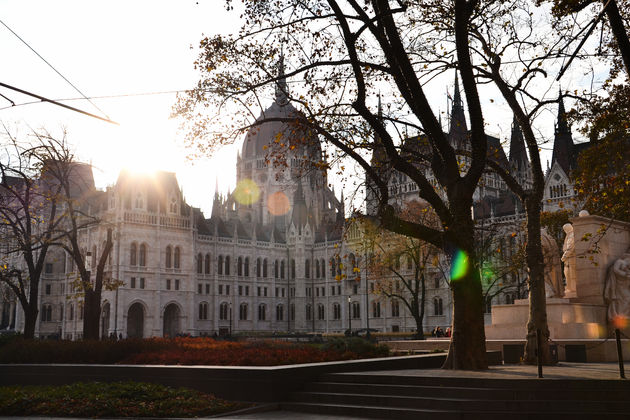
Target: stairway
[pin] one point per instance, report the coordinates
(445, 398)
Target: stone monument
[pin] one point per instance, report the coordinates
(596, 257)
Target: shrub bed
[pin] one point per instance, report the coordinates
(118, 399)
(187, 351)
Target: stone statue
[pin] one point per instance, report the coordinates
(617, 289)
(568, 252)
(551, 257)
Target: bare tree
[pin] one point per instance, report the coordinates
(82, 204)
(30, 218)
(342, 53)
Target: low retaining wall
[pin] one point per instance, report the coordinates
(569, 350)
(256, 384)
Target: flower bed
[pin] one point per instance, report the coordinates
(186, 351)
(119, 399)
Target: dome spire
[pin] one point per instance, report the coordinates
(282, 90)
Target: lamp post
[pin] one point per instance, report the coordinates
(349, 316)
(230, 308)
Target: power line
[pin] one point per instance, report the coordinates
(43, 99)
(56, 71)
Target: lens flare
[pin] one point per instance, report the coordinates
(247, 192)
(460, 265)
(278, 203)
(620, 322)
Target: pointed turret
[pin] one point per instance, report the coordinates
(563, 152)
(299, 217)
(458, 130)
(282, 90)
(518, 154)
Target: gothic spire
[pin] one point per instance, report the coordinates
(563, 152)
(282, 90)
(458, 129)
(518, 154)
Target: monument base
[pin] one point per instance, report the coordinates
(566, 320)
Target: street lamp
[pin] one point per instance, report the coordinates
(349, 316)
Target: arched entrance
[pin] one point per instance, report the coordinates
(171, 320)
(135, 321)
(105, 320)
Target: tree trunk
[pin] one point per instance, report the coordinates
(619, 31)
(30, 320)
(468, 343)
(537, 299)
(91, 316)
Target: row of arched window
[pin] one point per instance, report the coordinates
(138, 256)
(46, 313)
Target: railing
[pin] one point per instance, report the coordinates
(155, 219)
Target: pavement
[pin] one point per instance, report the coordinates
(563, 370)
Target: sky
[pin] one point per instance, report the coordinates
(113, 48)
(130, 57)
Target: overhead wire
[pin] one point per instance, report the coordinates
(55, 70)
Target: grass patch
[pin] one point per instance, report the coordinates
(116, 399)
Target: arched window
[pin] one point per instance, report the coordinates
(262, 312)
(292, 312)
(276, 271)
(264, 270)
(246, 266)
(207, 263)
(80, 311)
(292, 268)
(376, 309)
(242, 312)
(321, 312)
(227, 265)
(203, 310)
(336, 311)
(169, 256)
(133, 254)
(173, 205)
(409, 263)
(139, 201)
(279, 313)
(339, 266)
(258, 267)
(46, 315)
(199, 264)
(142, 256)
(223, 311)
(316, 269)
(395, 309)
(332, 268)
(437, 306)
(309, 312)
(356, 310)
(176, 257)
(282, 269)
(220, 264)
(307, 269)
(71, 312)
(239, 266)
(322, 264)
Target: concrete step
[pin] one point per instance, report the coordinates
(533, 383)
(462, 404)
(429, 414)
(502, 393)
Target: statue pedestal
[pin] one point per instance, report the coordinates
(566, 320)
